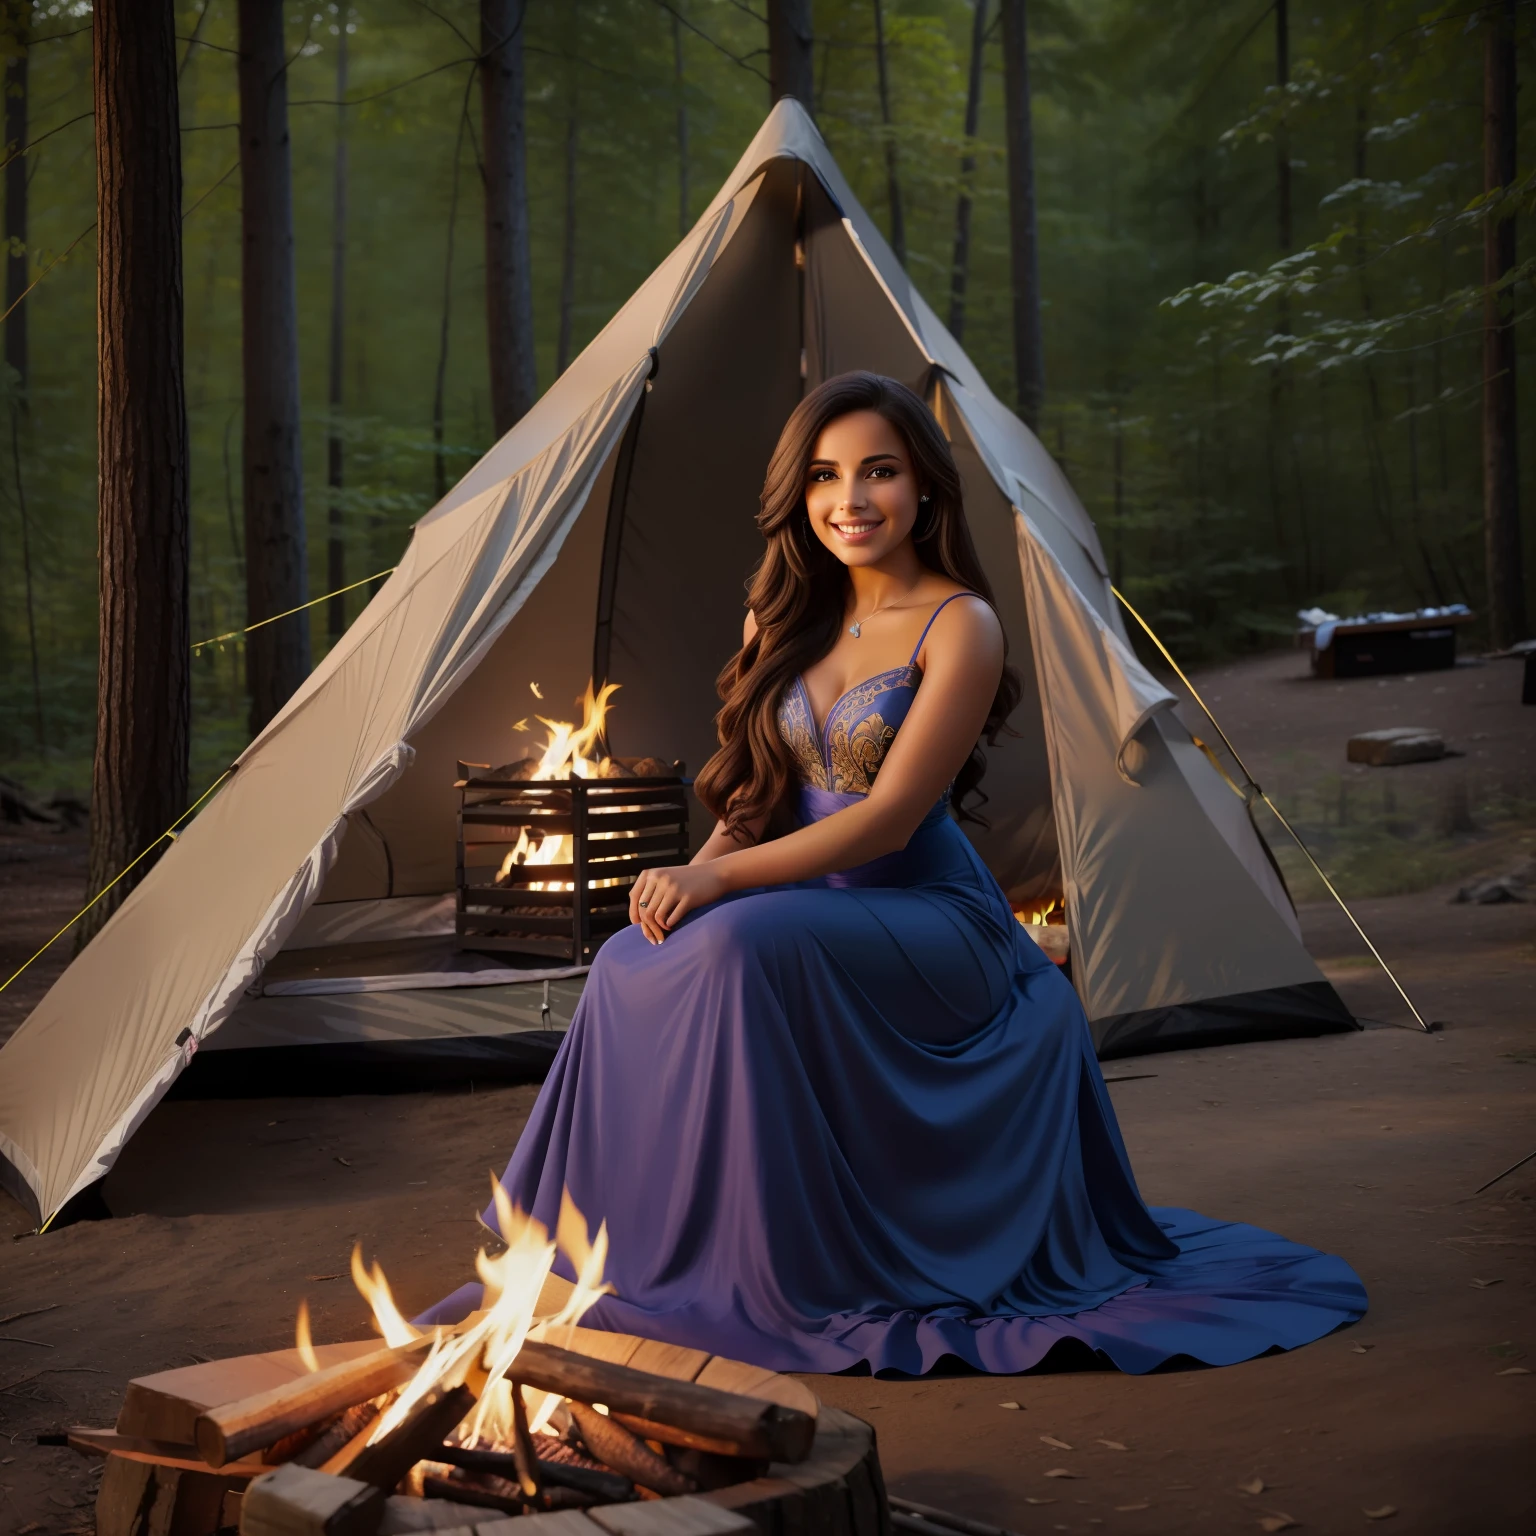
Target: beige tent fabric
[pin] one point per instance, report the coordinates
(540, 563)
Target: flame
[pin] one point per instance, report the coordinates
(1038, 917)
(386, 1314)
(302, 1341)
(485, 1351)
(566, 754)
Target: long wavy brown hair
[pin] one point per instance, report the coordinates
(799, 591)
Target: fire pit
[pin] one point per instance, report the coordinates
(517, 1411)
(549, 846)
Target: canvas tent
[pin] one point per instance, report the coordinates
(609, 534)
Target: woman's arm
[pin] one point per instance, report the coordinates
(962, 662)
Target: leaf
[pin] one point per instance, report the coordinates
(1256, 1486)
(1363, 1349)
(345, 1162)
(1384, 1513)
(1007, 1405)
(1125, 1509)
(1279, 1521)
(1062, 1472)
(1513, 1370)
(317, 1278)
(1061, 1445)
(1114, 1445)
(1027, 1500)
(1483, 1285)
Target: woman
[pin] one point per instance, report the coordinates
(833, 1104)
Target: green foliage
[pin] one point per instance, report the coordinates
(1254, 429)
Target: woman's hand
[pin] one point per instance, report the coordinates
(660, 897)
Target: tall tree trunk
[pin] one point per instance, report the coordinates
(1028, 347)
(892, 180)
(335, 467)
(1501, 470)
(139, 779)
(18, 26)
(508, 274)
(444, 331)
(1282, 132)
(568, 244)
(790, 68)
(680, 84)
(276, 560)
(959, 272)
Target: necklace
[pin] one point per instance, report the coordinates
(856, 629)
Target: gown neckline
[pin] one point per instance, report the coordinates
(810, 708)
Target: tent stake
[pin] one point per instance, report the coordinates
(1253, 785)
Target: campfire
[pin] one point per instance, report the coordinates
(1046, 923)
(517, 1411)
(550, 845)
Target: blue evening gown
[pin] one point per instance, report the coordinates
(859, 1121)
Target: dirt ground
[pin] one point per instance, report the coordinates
(1371, 1145)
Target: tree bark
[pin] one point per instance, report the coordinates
(1028, 348)
(444, 327)
(1282, 133)
(681, 85)
(139, 778)
(790, 67)
(568, 244)
(892, 180)
(18, 25)
(335, 465)
(959, 272)
(1501, 470)
(276, 560)
(508, 274)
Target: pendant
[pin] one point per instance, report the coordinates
(853, 629)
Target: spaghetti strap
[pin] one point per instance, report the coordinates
(931, 617)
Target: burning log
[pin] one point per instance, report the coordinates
(416, 1438)
(340, 1434)
(523, 1454)
(298, 1501)
(724, 1422)
(605, 1487)
(612, 1443)
(507, 1498)
(226, 1433)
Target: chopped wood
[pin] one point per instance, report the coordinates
(403, 1513)
(339, 1435)
(522, 1446)
(510, 1502)
(609, 1487)
(614, 1445)
(416, 1438)
(730, 1423)
(253, 1423)
(298, 1501)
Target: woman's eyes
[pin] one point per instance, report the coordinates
(879, 471)
(884, 471)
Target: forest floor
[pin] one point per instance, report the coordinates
(1371, 1145)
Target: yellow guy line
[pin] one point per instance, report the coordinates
(1254, 785)
(325, 597)
(169, 833)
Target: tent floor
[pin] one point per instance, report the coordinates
(383, 1042)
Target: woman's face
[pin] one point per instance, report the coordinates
(860, 489)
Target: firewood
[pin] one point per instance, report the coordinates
(414, 1439)
(298, 1501)
(606, 1487)
(613, 1444)
(522, 1446)
(723, 1422)
(338, 1435)
(510, 1502)
(403, 1514)
(253, 1423)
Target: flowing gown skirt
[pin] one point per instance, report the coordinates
(860, 1121)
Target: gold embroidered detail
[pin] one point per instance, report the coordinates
(800, 737)
(857, 754)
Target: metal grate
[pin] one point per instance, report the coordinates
(566, 910)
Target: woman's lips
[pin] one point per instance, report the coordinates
(855, 533)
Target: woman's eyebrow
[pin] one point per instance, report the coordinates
(876, 458)
(823, 464)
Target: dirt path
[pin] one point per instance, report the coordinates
(1370, 1145)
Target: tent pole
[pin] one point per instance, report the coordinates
(1254, 787)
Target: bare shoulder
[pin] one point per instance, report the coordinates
(748, 627)
(967, 629)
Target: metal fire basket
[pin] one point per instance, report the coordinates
(566, 910)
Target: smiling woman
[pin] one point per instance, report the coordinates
(835, 1108)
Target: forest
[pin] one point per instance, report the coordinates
(1261, 284)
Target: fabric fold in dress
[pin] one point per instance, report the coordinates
(859, 1122)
